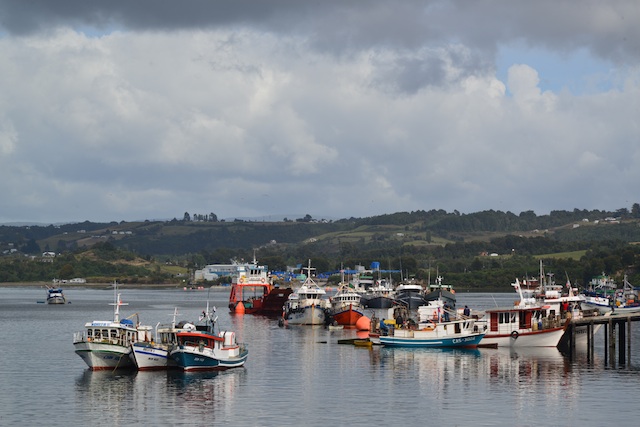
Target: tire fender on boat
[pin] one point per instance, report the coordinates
(515, 335)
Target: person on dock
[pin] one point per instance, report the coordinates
(384, 329)
(399, 321)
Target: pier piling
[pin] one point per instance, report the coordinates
(620, 322)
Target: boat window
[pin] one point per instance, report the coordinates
(89, 333)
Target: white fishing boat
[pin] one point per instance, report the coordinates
(525, 324)
(307, 305)
(600, 294)
(154, 354)
(55, 296)
(106, 344)
(205, 349)
(626, 300)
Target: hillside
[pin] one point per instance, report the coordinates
(484, 246)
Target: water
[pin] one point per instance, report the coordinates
(294, 376)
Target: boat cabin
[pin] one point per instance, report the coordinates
(510, 319)
(123, 333)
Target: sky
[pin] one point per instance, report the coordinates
(131, 110)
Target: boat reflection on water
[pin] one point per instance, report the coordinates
(200, 392)
(545, 372)
(432, 364)
(209, 395)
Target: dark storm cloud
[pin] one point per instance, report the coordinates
(609, 29)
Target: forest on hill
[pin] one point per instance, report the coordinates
(477, 251)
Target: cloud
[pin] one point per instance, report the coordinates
(127, 111)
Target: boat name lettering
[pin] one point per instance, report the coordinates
(459, 340)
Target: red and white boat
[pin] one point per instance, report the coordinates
(526, 324)
(345, 306)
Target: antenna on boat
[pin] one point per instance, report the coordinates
(117, 302)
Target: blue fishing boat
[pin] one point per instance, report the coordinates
(204, 349)
(433, 332)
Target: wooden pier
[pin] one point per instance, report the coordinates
(620, 322)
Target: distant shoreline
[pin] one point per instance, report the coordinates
(98, 285)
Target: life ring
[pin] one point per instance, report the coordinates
(515, 335)
(241, 279)
(262, 279)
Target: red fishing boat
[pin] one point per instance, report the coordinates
(253, 291)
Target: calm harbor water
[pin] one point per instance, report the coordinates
(294, 376)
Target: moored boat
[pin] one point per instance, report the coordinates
(600, 295)
(154, 354)
(440, 291)
(306, 305)
(345, 306)
(457, 332)
(410, 294)
(106, 344)
(253, 288)
(626, 300)
(525, 324)
(55, 296)
(604, 296)
(380, 295)
(204, 349)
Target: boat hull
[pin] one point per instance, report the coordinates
(411, 302)
(310, 315)
(467, 341)
(601, 305)
(377, 302)
(623, 311)
(148, 357)
(192, 359)
(542, 338)
(269, 305)
(101, 356)
(348, 316)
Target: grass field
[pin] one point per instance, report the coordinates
(565, 255)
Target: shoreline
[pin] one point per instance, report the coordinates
(94, 285)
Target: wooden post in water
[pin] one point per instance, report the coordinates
(622, 360)
(606, 343)
(612, 343)
(629, 340)
(590, 342)
(572, 340)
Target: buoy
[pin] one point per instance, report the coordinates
(240, 308)
(363, 324)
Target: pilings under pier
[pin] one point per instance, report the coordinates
(611, 323)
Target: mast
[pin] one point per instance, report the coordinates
(117, 303)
